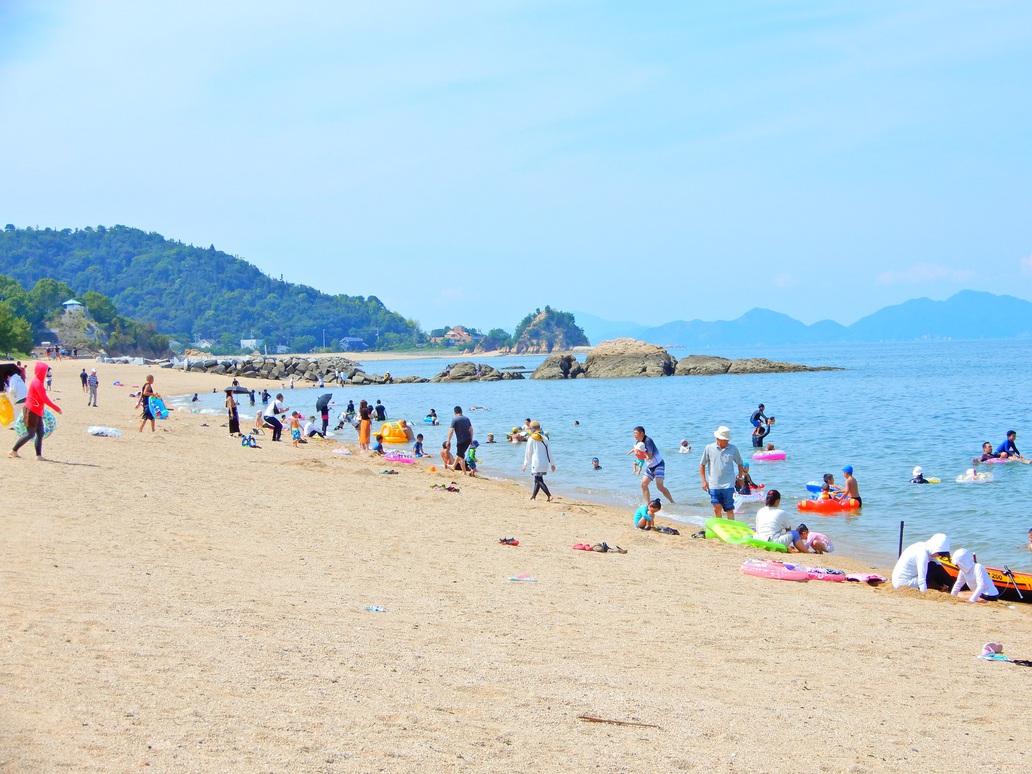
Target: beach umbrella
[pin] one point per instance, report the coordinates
(323, 404)
(238, 390)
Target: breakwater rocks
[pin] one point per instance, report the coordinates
(624, 358)
(301, 369)
(474, 372)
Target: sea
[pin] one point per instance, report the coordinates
(892, 407)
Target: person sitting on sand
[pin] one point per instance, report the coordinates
(980, 587)
(310, 430)
(378, 445)
(815, 541)
(446, 456)
(773, 526)
(417, 447)
(918, 567)
(644, 517)
(918, 476)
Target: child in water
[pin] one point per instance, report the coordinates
(295, 429)
(918, 476)
(685, 447)
(596, 466)
(417, 448)
(645, 515)
(638, 450)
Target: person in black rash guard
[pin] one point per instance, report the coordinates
(758, 417)
(761, 432)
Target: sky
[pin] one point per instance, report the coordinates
(468, 162)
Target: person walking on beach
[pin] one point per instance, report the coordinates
(365, 426)
(84, 377)
(655, 468)
(717, 469)
(462, 429)
(35, 404)
(539, 457)
(145, 395)
(92, 382)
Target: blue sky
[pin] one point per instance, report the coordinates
(467, 162)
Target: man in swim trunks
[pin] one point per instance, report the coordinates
(655, 468)
(850, 487)
(462, 428)
(717, 469)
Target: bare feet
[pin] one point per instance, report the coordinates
(15, 455)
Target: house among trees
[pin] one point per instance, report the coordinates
(458, 335)
(252, 343)
(352, 344)
(71, 306)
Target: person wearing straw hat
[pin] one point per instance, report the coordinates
(717, 469)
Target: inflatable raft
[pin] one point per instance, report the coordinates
(769, 456)
(396, 432)
(1015, 586)
(829, 506)
(740, 534)
(764, 568)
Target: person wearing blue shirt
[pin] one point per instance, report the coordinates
(1008, 449)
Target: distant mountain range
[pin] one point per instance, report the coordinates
(969, 314)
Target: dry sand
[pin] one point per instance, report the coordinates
(176, 601)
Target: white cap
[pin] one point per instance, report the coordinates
(917, 472)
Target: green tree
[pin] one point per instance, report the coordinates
(48, 294)
(99, 307)
(15, 332)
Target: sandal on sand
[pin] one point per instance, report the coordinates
(509, 541)
(581, 546)
(617, 549)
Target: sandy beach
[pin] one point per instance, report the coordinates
(173, 600)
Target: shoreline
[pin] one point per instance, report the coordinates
(173, 599)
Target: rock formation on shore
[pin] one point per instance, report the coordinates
(623, 358)
(467, 371)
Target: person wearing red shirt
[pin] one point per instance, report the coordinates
(35, 403)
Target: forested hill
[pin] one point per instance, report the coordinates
(195, 292)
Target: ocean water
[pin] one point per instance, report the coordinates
(894, 406)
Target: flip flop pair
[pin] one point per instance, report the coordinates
(605, 548)
(581, 546)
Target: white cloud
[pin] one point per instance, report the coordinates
(925, 272)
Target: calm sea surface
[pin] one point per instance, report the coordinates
(895, 406)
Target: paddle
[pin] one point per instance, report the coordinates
(1009, 574)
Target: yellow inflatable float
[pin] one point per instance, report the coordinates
(397, 432)
(6, 410)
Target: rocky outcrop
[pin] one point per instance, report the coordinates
(559, 367)
(702, 365)
(761, 365)
(469, 371)
(622, 358)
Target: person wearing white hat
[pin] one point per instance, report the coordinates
(717, 469)
(92, 382)
(980, 587)
(918, 476)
